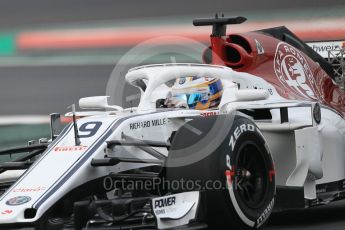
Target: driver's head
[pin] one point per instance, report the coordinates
(195, 93)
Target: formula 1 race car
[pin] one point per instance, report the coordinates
(258, 127)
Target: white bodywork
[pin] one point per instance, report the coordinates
(181, 209)
(304, 153)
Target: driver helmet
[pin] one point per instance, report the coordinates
(195, 93)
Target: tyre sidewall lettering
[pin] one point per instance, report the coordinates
(230, 161)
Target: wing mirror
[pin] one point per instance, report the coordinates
(233, 95)
(55, 125)
(97, 102)
(251, 94)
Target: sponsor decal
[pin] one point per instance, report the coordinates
(259, 47)
(160, 212)
(209, 114)
(165, 202)
(263, 217)
(70, 148)
(6, 212)
(237, 133)
(147, 124)
(89, 129)
(323, 48)
(293, 71)
(175, 207)
(165, 205)
(182, 80)
(18, 200)
(37, 189)
(176, 210)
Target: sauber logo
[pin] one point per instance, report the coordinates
(293, 71)
(70, 148)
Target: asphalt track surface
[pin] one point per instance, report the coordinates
(329, 217)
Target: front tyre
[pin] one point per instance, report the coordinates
(241, 163)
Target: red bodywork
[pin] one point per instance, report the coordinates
(293, 74)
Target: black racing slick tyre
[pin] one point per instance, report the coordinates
(228, 159)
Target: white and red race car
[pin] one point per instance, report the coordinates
(258, 127)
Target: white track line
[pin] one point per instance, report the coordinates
(24, 120)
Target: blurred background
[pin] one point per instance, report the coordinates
(54, 52)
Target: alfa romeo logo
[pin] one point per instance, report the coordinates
(19, 200)
(293, 71)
